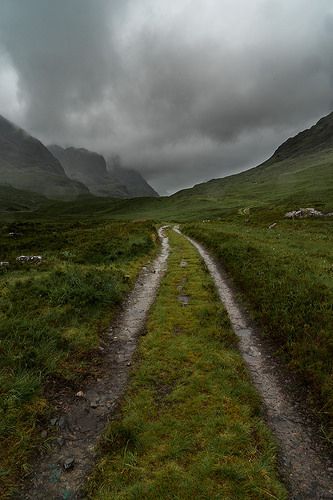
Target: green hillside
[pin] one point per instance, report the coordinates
(16, 200)
(305, 180)
(299, 174)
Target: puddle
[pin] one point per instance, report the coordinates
(61, 473)
(304, 466)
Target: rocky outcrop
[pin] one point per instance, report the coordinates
(305, 213)
(89, 168)
(26, 164)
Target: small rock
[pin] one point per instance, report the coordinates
(80, 394)
(94, 404)
(53, 421)
(43, 434)
(129, 363)
(69, 463)
(60, 441)
(61, 423)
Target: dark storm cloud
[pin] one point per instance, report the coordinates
(186, 91)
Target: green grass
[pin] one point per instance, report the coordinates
(190, 425)
(285, 277)
(52, 316)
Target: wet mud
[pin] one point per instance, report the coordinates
(60, 473)
(304, 465)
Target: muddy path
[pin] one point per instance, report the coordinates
(60, 473)
(304, 466)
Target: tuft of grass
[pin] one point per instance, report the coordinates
(285, 278)
(190, 425)
(52, 316)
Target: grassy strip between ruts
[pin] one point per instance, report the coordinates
(52, 316)
(285, 276)
(190, 424)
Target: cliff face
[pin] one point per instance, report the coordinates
(25, 163)
(90, 169)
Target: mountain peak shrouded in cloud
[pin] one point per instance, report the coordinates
(185, 91)
(26, 164)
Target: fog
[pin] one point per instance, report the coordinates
(183, 91)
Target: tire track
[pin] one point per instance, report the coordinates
(60, 474)
(306, 470)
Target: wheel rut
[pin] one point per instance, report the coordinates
(60, 472)
(304, 466)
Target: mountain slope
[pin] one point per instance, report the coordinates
(317, 138)
(89, 168)
(136, 185)
(25, 163)
(15, 200)
(299, 172)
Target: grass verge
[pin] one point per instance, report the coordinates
(190, 425)
(52, 316)
(285, 276)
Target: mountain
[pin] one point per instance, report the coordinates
(103, 179)
(135, 184)
(89, 168)
(299, 173)
(26, 164)
(315, 139)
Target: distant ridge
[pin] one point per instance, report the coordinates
(26, 164)
(317, 138)
(89, 168)
(135, 184)
(299, 173)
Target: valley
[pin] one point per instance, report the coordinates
(189, 420)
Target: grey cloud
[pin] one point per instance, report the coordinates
(184, 92)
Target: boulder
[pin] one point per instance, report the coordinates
(31, 259)
(304, 213)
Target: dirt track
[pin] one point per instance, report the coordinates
(84, 417)
(305, 468)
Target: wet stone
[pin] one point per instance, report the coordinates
(62, 423)
(60, 441)
(69, 463)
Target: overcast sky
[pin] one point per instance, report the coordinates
(184, 90)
